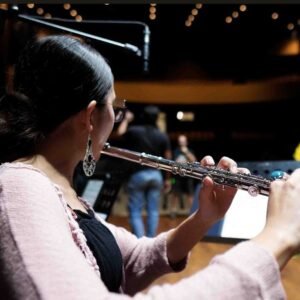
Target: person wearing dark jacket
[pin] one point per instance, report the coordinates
(145, 184)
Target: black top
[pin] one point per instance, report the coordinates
(148, 139)
(104, 247)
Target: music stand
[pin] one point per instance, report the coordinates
(101, 190)
(247, 215)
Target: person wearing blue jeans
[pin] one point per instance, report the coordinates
(145, 185)
(144, 189)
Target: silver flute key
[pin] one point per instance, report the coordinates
(253, 184)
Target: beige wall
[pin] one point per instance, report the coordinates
(193, 92)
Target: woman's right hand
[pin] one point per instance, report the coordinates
(281, 234)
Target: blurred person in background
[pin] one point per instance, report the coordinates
(182, 187)
(145, 184)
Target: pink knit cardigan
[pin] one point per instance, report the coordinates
(44, 255)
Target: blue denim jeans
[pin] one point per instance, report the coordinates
(144, 188)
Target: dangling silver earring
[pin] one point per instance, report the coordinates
(89, 162)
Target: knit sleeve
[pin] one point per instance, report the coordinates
(145, 259)
(247, 271)
(39, 259)
(39, 243)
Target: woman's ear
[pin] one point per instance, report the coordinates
(89, 111)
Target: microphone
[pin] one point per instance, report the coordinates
(14, 11)
(133, 48)
(146, 52)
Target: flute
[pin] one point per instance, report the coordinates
(253, 184)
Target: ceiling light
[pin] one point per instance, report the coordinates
(67, 6)
(243, 7)
(228, 20)
(274, 16)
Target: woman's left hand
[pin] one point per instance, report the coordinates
(215, 199)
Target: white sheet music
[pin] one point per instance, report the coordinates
(246, 217)
(92, 190)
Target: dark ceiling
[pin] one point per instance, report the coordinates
(245, 49)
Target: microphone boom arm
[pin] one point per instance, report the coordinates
(13, 11)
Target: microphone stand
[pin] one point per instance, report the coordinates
(14, 13)
(147, 32)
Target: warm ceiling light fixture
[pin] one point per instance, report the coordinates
(73, 12)
(191, 18)
(290, 26)
(228, 20)
(188, 23)
(194, 12)
(39, 11)
(152, 11)
(152, 16)
(78, 18)
(67, 6)
(275, 16)
(243, 7)
(235, 14)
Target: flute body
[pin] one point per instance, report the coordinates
(253, 184)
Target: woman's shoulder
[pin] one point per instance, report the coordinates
(19, 173)
(28, 188)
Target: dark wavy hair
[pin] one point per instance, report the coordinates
(55, 77)
(150, 115)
